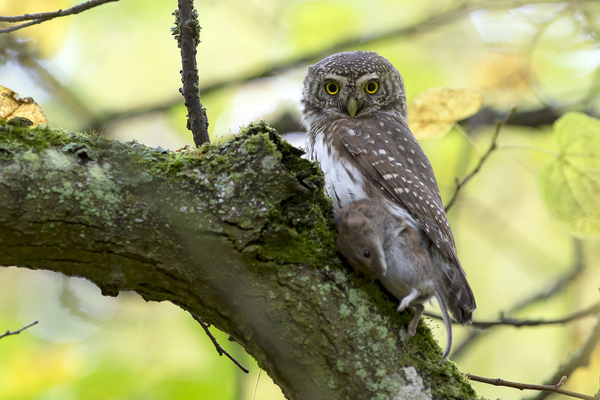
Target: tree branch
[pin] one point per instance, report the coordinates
(529, 386)
(8, 333)
(187, 33)
(38, 18)
(518, 323)
(547, 292)
(580, 358)
(241, 235)
(218, 347)
(482, 160)
(590, 311)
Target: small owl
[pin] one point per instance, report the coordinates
(354, 110)
(383, 246)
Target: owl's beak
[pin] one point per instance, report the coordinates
(352, 106)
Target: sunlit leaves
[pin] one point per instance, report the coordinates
(570, 184)
(13, 106)
(433, 113)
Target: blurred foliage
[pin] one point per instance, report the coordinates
(433, 113)
(570, 184)
(116, 68)
(48, 39)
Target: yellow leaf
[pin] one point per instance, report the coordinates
(570, 184)
(13, 106)
(433, 113)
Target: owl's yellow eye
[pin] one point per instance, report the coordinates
(372, 87)
(332, 87)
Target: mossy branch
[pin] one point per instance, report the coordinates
(239, 234)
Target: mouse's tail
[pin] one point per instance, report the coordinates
(447, 324)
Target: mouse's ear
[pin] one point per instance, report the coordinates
(351, 219)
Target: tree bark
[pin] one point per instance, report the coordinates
(239, 234)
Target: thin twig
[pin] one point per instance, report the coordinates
(220, 349)
(518, 323)
(38, 18)
(8, 333)
(256, 384)
(188, 36)
(558, 286)
(528, 386)
(482, 160)
(528, 148)
(468, 138)
(593, 310)
(580, 358)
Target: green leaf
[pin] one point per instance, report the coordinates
(570, 184)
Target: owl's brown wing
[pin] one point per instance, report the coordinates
(397, 168)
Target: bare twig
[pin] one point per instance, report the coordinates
(8, 333)
(557, 287)
(482, 160)
(187, 33)
(220, 349)
(593, 310)
(38, 18)
(580, 358)
(518, 323)
(528, 386)
(256, 384)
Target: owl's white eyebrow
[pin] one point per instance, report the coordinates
(368, 77)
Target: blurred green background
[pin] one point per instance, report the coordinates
(115, 69)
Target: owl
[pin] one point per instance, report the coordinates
(354, 111)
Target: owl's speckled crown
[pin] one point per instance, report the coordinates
(353, 63)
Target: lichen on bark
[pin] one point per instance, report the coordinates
(240, 234)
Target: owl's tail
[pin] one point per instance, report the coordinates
(461, 301)
(455, 290)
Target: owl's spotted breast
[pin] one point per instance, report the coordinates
(389, 163)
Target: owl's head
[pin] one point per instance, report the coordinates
(352, 85)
